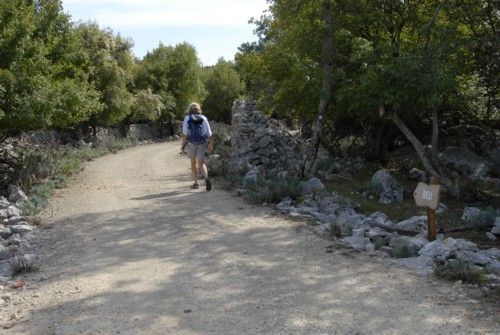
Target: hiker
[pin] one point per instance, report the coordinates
(197, 138)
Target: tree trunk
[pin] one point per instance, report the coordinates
(125, 128)
(312, 151)
(419, 148)
(379, 139)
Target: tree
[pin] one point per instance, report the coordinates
(146, 107)
(42, 79)
(482, 21)
(185, 72)
(283, 70)
(110, 70)
(223, 85)
(419, 61)
(153, 72)
(174, 73)
(326, 89)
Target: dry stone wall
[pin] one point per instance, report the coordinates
(262, 142)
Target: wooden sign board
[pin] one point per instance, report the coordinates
(427, 195)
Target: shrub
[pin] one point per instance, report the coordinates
(483, 220)
(232, 173)
(114, 146)
(347, 230)
(20, 264)
(373, 189)
(379, 243)
(272, 186)
(335, 229)
(460, 271)
(44, 170)
(404, 250)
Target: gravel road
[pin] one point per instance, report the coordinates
(131, 249)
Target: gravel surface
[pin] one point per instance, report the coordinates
(131, 249)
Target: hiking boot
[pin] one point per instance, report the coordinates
(208, 184)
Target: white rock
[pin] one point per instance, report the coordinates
(491, 237)
(370, 247)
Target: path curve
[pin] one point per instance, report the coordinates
(132, 250)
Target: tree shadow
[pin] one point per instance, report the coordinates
(215, 267)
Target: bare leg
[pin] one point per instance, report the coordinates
(203, 168)
(194, 170)
(204, 172)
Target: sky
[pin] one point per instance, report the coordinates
(216, 28)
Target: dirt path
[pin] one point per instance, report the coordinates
(132, 250)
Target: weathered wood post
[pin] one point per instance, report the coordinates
(428, 196)
(431, 214)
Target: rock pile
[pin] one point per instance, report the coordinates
(262, 142)
(334, 215)
(9, 159)
(466, 163)
(16, 234)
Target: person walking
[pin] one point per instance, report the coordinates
(197, 139)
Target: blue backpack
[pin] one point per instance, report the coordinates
(195, 128)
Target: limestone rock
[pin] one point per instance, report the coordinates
(465, 162)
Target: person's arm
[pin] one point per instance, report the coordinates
(210, 139)
(184, 143)
(210, 145)
(184, 134)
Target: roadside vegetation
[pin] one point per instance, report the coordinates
(360, 78)
(46, 170)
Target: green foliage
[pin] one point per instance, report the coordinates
(232, 173)
(404, 250)
(146, 107)
(379, 243)
(408, 56)
(340, 230)
(222, 145)
(282, 71)
(483, 220)
(42, 77)
(223, 85)
(461, 271)
(373, 189)
(272, 187)
(110, 68)
(335, 229)
(46, 170)
(347, 230)
(173, 73)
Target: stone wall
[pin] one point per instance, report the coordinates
(262, 142)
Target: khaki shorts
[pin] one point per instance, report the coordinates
(196, 150)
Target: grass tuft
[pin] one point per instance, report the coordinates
(461, 271)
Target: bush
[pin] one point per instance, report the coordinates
(45, 170)
(114, 146)
(335, 229)
(232, 173)
(373, 189)
(20, 264)
(379, 243)
(272, 186)
(483, 220)
(460, 271)
(404, 250)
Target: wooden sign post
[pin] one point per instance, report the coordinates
(428, 196)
